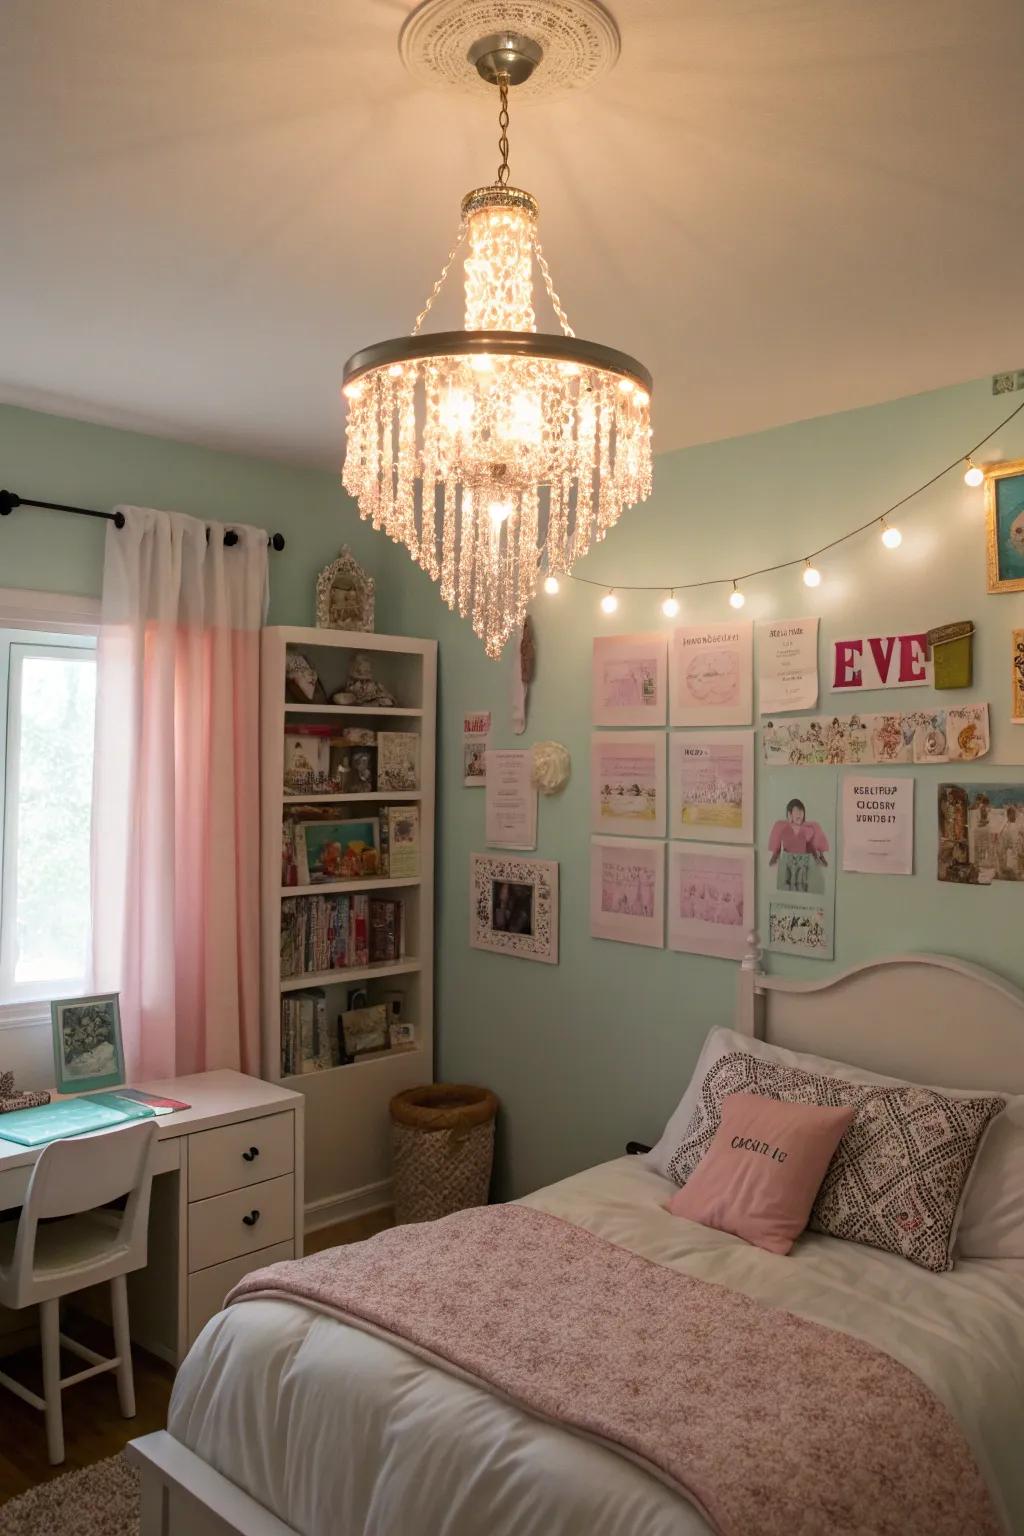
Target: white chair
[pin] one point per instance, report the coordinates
(41, 1263)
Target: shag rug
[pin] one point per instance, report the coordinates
(101, 1500)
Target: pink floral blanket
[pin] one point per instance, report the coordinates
(764, 1421)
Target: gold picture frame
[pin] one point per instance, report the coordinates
(1004, 524)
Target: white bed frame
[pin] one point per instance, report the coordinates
(927, 1018)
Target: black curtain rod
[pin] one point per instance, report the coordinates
(9, 501)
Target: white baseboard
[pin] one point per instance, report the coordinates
(328, 1211)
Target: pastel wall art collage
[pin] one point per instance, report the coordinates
(930, 735)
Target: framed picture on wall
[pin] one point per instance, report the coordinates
(513, 906)
(1004, 515)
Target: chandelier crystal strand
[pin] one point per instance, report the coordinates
(485, 450)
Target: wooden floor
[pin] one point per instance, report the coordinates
(93, 1426)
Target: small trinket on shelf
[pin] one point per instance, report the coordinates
(361, 687)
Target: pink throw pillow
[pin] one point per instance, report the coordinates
(763, 1169)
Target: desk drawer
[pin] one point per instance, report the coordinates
(235, 1156)
(207, 1289)
(221, 1228)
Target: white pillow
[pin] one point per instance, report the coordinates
(992, 1218)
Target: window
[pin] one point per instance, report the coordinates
(47, 697)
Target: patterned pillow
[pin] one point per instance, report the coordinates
(898, 1176)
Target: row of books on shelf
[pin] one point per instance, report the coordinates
(319, 848)
(319, 759)
(313, 1041)
(333, 933)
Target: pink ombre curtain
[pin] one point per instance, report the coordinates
(175, 821)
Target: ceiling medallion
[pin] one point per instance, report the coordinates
(496, 452)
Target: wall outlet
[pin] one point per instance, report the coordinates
(1003, 383)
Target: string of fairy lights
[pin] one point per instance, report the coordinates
(890, 534)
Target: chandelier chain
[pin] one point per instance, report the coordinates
(503, 125)
(428, 306)
(556, 303)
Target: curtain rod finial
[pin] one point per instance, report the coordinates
(8, 502)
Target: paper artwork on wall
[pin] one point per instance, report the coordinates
(798, 866)
(917, 736)
(1017, 677)
(981, 833)
(476, 728)
(510, 808)
(870, 662)
(513, 907)
(710, 899)
(627, 783)
(711, 674)
(629, 680)
(711, 785)
(787, 665)
(627, 890)
(878, 825)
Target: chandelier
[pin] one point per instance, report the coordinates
(499, 451)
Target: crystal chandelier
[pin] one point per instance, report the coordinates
(496, 451)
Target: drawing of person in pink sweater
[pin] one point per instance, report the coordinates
(801, 845)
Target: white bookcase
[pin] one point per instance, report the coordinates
(347, 1127)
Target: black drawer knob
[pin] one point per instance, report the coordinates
(252, 1154)
(252, 1218)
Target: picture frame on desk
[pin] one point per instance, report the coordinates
(88, 1052)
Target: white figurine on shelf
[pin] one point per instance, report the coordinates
(361, 686)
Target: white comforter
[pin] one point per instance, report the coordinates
(343, 1434)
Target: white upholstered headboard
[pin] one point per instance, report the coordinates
(928, 1018)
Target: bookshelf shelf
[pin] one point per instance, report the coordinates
(348, 974)
(352, 709)
(384, 1059)
(347, 1109)
(379, 796)
(339, 887)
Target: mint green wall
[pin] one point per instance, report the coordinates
(55, 459)
(595, 1051)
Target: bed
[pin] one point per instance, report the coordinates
(287, 1421)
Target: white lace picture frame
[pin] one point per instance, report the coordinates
(345, 595)
(513, 907)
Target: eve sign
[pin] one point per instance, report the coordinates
(881, 661)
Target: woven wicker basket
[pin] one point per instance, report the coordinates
(442, 1147)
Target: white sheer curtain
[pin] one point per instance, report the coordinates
(175, 822)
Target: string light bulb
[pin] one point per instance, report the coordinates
(551, 585)
(891, 537)
(812, 576)
(736, 598)
(609, 602)
(670, 607)
(973, 475)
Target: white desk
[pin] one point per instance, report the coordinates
(229, 1199)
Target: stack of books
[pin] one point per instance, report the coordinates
(334, 933)
(308, 1042)
(387, 931)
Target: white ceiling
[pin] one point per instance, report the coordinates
(783, 207)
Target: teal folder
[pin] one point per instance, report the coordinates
(68, 1117)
